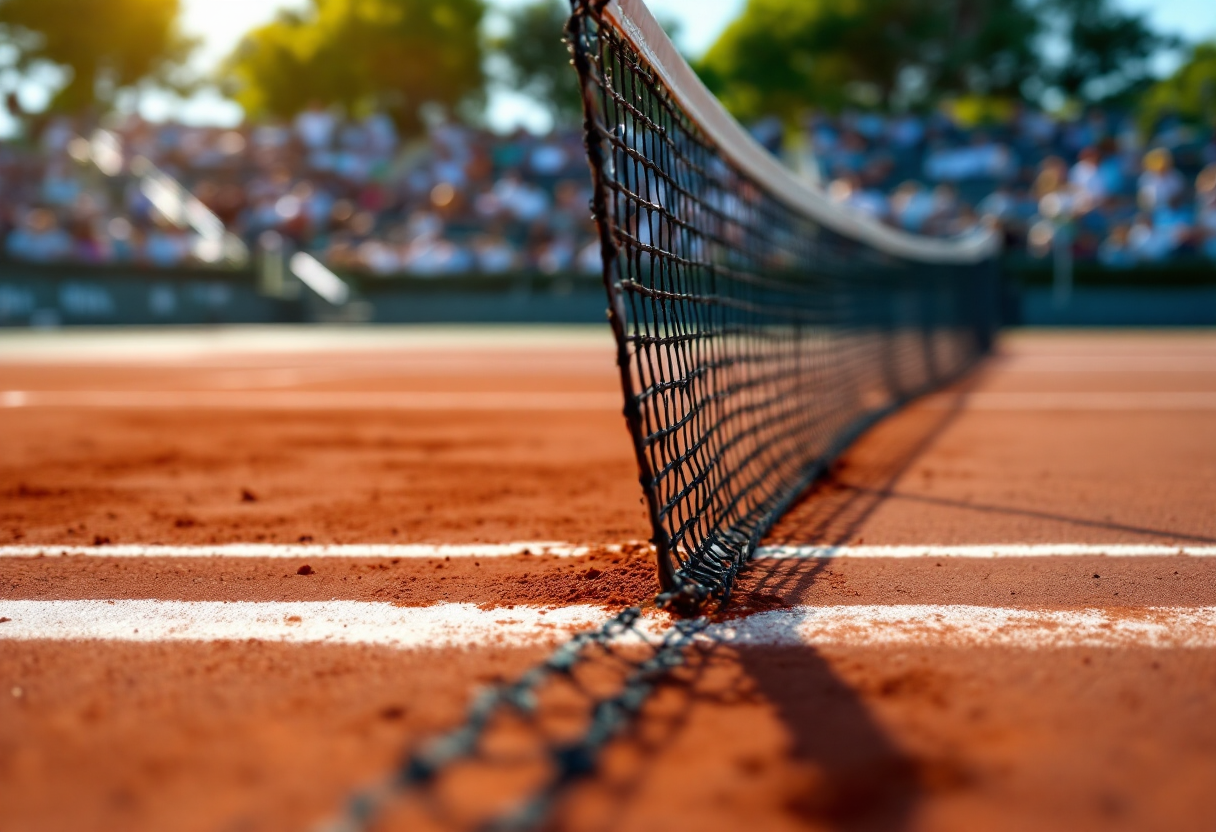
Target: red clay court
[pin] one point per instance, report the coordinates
(243, 570)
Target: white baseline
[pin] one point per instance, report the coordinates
(425, 551)
(996, 550)
(327, 400)
(558, 549)
(1075, 400)
(451, 625)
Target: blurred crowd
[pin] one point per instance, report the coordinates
(352, 193)
(1093, 185)
(462, 200)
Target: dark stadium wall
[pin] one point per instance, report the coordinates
(49, 296)
(55, 295)
(42, 295)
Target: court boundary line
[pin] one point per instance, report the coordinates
(1081, 401)
(428, 551)
(983, 551)
(408, 551)
(309, 400)
(466, 625)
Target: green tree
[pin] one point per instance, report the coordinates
(537, 62)
(781, 56)
(1108, 51)
(398, 55)
(1190, 92)
(105, 46)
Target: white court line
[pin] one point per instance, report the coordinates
(1003, 550)
(309, 400)
(958, 625)
(345, 400)
(335, 622)
(1185, 400)
(558, 549)
(273, 550)
(1108, 364)
(161, 346)
(445, 626)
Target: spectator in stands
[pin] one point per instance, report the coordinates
(847, 190)
(1087, 179)
(1115, 251)
(494, 253)
(965, 219)
(1052, 177)
(59, 186)
(87, 245)
(912, 207)
(432, 255)
(946, 210)
(522, 200)
(1205, 210)
(386, 256)
(1111, 168)
(1160, 182)
(589, 258)
(124, 241)
(906, 132)
(468, 200)
(39, 239)
(981, 159)
(1149, 244)
(1034, 128)
(548, 159)
(315, 128)
(167, 245)
(1001, 204)
(571, 214)
(556, 254)
(1176, 220)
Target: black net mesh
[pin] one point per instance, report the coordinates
(754, 345)
(754, 342)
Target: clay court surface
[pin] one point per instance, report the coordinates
(242, 571)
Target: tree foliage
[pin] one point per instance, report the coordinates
(537, 61)
(396, 55)
(780, 56)
(105, 46)
(1190, 92)
(1107, 51)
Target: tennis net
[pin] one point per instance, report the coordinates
(760, 327)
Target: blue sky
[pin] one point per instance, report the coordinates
(220, 23)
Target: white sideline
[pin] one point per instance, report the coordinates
(951, 625)
(559, 549)
(327, 400)
(305, 622)
(153, 346)
(1106, 363)
(1003, 550)
(274, 550)
(448, 625)
(1075, 400)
